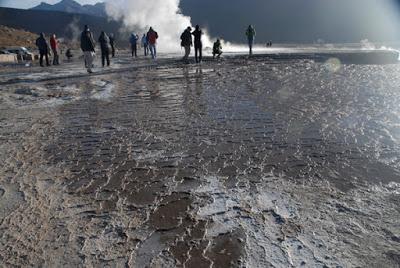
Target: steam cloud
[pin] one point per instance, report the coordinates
(163, 15)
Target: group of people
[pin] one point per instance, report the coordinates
(44, 49)
(107, 47)
(187, 43)
(148, 42)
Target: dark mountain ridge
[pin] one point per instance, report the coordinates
(71, 6)
(63, 24)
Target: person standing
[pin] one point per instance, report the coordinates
(88, 48)
(145, 44)
(43, 47)
(54, 47)
(186, 42)
(133, 41)
(251, 34)
(152, 37)
(198, 45)
(105, 47)
(112, 44)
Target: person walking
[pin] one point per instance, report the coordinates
(152, 37)
(251, 34)
(133, 41)
(43, 47)
(145, 44)
(187, 42)
(112, 44)
(88, 48)
(217, 49)
(105, 47)
(54, 44)
(198, 45)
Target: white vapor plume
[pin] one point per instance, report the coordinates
(163, 15)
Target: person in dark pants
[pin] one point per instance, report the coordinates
(133, 41)
(186, 42)
(112, 43)
(251, 34)
(152, 37)
(217, 49)
(43, 47)
(104, 41)
(145, 44)
(198, 45)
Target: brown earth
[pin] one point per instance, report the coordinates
(16, 37)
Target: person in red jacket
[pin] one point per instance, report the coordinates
(54, 47)
(152, 37)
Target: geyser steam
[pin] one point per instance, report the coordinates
(163, 15)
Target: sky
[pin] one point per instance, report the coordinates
(32, 3)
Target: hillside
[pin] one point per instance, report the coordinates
(15, 37)
(61, 23)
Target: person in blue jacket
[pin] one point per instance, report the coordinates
(133, 41)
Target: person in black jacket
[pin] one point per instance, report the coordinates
(88, 48)
(186, 42)
(43, 47)
(198, 45)
(105, 46)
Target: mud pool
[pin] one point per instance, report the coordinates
(236, 163)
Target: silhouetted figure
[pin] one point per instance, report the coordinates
(43, 47)
(112, 44)
(198, 45)
(105, 46)
(251, 34)
(217, 49)
(69, 54)
(152, 37)
(186, 42)
(145, 44)
(133, 41)
(54, 47)
(88, 48)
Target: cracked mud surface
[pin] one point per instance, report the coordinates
(237, 163)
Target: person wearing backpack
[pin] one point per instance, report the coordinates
(186, 42)
(88, 48)
(152, 37)
(43, 47)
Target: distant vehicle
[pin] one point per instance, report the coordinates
(22, 53)
(2, 52)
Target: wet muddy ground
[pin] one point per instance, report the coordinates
(234, 163)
